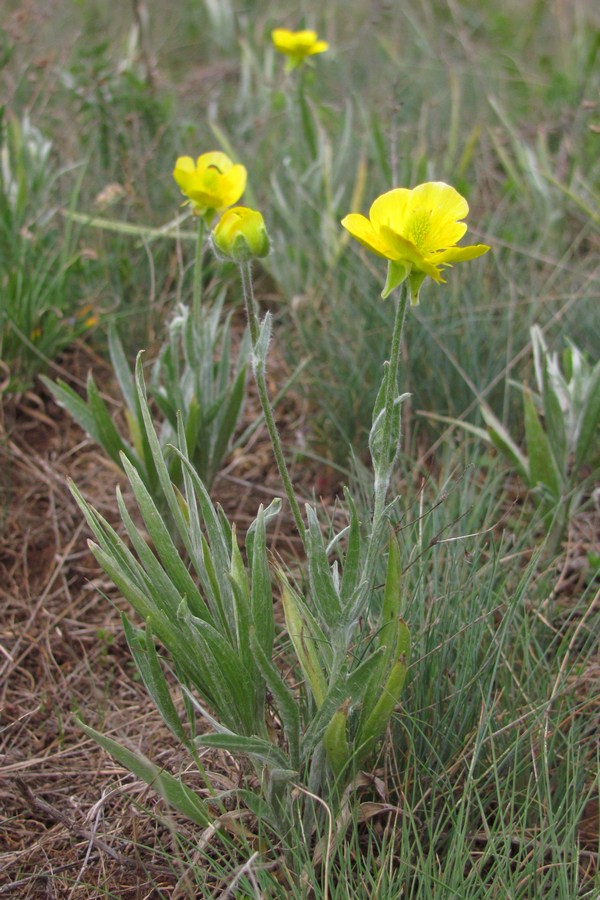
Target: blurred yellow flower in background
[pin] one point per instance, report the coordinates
(212, 183)
(417, 231)
(297, 45)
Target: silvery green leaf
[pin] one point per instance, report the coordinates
(171, 789)
(264, 337)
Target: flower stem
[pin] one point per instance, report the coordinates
(261, 383)
(382, 480)
(197, 295)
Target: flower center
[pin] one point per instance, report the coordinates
(418, 227)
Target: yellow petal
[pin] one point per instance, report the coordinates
(232, 185)
(288, 41)
(391, 209)
(184, 171)
(444, 207)
(303, 39)
(282, 38)
(319, 47)
(442, 199)
(361, 229)
(214, 160)
(459, 254)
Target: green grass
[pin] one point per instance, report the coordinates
(490, 760)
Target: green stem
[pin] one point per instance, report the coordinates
(197, 295)
(382, 479)
(261, 383)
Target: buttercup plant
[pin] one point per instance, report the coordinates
(211, 184)
(298, 46)
(213, 610)
(194, 376)
(416, 231)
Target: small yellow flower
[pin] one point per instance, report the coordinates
(417, 231)
(297, 45)
(241, 235)
(212, 183)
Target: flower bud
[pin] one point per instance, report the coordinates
(241, 235)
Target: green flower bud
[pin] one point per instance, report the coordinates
(241, 235)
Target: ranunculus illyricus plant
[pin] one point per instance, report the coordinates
(416, 231)
(241, 235)
(212, 183)
(297, 45)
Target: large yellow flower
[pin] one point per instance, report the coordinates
(417, 231)
(297, 45)
(212, 183)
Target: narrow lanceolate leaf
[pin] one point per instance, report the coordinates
(392, 595)
(262, 345)
(171, 789)
(108, 436)
(66, 397)
(324, 595)
(121, 368)
(266, 752)
(261, 594)
(376, 432)
(542, 467)
(335, 740)
(238, 569)
(219, 539)
(271, 512)
(192, 426)
(392, 629)
(285, 702)
(241, 639)
(231, 408)
(141, 645)
(350, 686)
(588, 446)
(352, 559)
(174, 566)
(157, 457)
(555, 423)
(230, 683)
(503, 442)
(110, 542)
(308, 120)
(303, 642)
(377, 720)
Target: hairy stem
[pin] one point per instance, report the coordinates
(261, 383)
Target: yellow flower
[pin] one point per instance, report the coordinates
(241, 235)
(417, 231)
(297, 45)
(212, 183)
